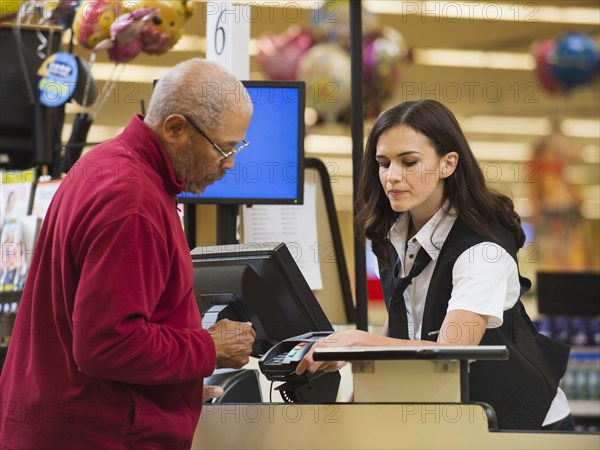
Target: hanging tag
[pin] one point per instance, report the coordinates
(57, 79)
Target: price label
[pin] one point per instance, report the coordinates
(228, 37)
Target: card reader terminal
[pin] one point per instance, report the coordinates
(280, 362)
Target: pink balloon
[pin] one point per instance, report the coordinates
(540, 51)
(280, 54)
(383, 55)
(126, 41)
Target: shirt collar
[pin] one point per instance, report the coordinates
(140, 138)
(431, 236)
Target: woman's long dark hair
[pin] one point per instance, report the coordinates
(465, 189)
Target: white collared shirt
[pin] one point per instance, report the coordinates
(485, 277)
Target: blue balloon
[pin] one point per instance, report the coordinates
(575, 60)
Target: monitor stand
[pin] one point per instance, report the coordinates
(227, 224)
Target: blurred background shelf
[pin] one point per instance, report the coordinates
(585, 408)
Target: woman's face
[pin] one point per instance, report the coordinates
(411, 172)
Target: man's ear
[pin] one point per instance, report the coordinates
(174, 128)
(448, 164)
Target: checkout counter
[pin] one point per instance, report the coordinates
(432, 411)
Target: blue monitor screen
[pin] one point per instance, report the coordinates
(271, 169)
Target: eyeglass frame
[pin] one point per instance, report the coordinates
(244, 142)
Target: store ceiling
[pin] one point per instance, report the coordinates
(470, 92)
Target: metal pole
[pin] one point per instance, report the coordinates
(357, 124)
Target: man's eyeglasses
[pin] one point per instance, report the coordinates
(226, 154)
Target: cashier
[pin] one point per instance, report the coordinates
(447, 251)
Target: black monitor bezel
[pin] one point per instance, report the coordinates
(299, 198)
(313, 315)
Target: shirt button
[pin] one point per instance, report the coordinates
(411, 256)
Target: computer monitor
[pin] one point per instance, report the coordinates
(568, 293)
(262, 286)
(271, 169)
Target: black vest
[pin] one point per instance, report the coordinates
(520, 389)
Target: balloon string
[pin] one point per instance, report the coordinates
(564, 109)
(88, 82)
(112, 83)
(28, 10)
(20, 56)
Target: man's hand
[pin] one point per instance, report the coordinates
(233, 341)
(210, 392)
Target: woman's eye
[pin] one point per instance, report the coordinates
(409, 163)
(384, 164)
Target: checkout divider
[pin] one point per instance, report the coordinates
(382, 417)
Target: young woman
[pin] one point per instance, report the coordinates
(447, 250)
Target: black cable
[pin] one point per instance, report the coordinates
(72, 16)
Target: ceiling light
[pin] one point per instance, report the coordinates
(589, 128)
(452, 12)
(197, 44)
(281, 4)
(131, 73)
(530, 126)
(590, 153)
(535, 126)
(590, 209)
(319, 143)
(310, 116)
(501, 151)
(473, 58)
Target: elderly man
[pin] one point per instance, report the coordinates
(108, 349)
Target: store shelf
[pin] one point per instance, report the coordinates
(585, 408)
(11, 296)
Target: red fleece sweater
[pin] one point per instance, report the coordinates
(108, 351)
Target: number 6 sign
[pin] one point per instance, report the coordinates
(228, 37)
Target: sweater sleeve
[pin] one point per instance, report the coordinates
(121, 288)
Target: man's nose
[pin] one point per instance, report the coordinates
(228, 163)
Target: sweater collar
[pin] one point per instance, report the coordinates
(140, 138)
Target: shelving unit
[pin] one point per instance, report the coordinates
(585, 408)
(6, 321)
(568, 304)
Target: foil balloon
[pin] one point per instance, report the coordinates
(575, 60)
(166, 28)
(93, 20)
(326, 70)
(280, 54)
(383, 56)
(541, 50)
(331, 23)
(125, 41)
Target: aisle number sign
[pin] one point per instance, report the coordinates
(228, 37)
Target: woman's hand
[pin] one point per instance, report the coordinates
(350, 338)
